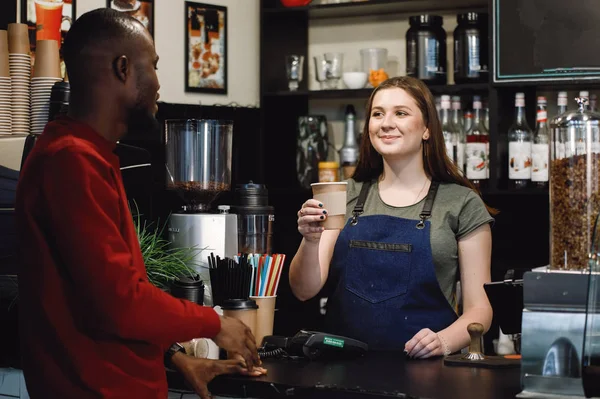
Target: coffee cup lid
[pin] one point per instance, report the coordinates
(239, 304)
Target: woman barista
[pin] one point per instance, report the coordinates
(415, 224)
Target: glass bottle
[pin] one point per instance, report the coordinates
(486, 115)
(468, 120)
(349, 151)
(457, 115)
(438, 106)
(461, 138)
(519, 147)
(447, 127)
(562, 102)
(477, 148)
(558, 144)
(540, 150)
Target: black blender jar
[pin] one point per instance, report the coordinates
(255, 218)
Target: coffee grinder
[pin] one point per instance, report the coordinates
(198, 161)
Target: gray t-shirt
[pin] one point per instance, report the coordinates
(457, 211)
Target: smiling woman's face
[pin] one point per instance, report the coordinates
(396, 126)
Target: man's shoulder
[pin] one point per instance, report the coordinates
(59, 139)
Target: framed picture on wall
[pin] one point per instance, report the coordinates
(142, 10)
(47, 20)
(205, 48)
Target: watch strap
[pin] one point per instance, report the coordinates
(173, 349)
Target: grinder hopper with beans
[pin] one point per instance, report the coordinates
(198, 168)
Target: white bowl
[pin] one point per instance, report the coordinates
(355, 80)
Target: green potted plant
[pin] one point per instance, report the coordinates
(164, 263)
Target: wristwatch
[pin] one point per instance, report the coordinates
(170, 352)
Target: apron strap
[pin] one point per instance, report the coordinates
(360, 203)
(428, 206)
(424, 215)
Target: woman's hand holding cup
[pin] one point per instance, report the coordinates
(310, 218)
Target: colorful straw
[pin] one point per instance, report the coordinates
(245, 275)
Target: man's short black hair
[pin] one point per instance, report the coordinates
(100, 27)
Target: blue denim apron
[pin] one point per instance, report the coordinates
(387, 289)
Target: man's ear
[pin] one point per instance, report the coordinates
(122, 68)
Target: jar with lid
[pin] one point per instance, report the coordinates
(574, 186)
(426, 48)
(471, 48)
(329, 171)
(255, 218)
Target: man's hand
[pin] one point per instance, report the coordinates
(199, 372)
(237, 339)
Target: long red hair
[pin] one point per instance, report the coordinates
(438, 166)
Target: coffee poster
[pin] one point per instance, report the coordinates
(205, 48)
(142, 10)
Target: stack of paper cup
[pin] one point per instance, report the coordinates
(5, 103)
(46, 72)
(19, 61)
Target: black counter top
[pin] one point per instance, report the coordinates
(374, 376)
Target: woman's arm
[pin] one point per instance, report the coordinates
(310, 266)
(474, 260)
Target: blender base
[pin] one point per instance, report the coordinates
(214, 233)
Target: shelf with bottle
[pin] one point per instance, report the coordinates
(360, 8)
(547, 85)
(347, 72)
(529, 150)
(462, 88)
(504, 191)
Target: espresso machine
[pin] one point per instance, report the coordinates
(198, 162)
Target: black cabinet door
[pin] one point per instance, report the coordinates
(546, 40)
(8, 13)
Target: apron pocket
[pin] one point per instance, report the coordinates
(378, 271)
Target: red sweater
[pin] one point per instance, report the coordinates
(91, 324)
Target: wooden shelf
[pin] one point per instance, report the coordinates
(569, 84)
(379, 7)
(365, 93)
(513, 192)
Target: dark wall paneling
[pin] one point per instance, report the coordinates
(279, 145)
(282, 34)
(8, 13)
(9, 345)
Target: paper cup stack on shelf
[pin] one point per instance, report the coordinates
(5, 103)
(46, 72)
(19, 61)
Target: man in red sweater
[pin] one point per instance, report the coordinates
(91, 324)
